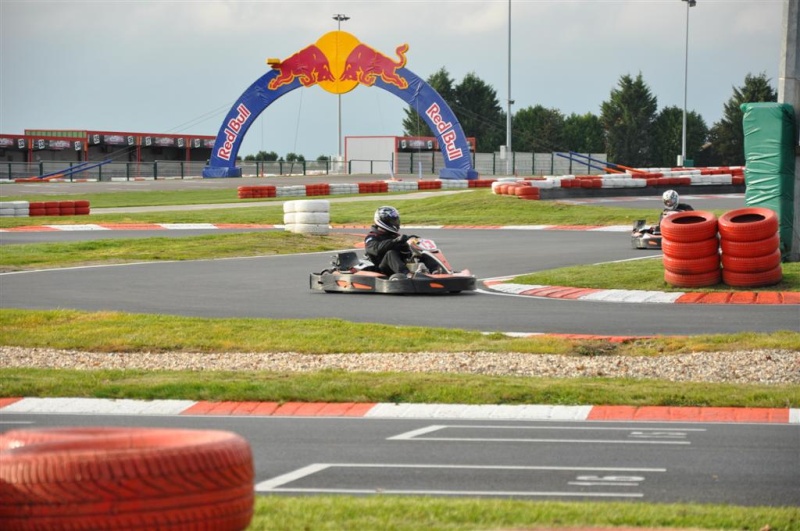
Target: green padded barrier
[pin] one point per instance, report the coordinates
(769, 151)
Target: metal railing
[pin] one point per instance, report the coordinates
(426, 163)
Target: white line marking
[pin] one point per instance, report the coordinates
(465, 493)
(300, 473)
(411, 434)
(276, 484)
(415, 434)
(565, 441)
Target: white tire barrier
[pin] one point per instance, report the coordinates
(10, 209)
(309, 216)
(343, 188)
(454, 184)
(403, 186)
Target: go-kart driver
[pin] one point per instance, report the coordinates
(386, 247)
(672, 205)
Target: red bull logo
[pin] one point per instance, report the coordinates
(338, 62)
(310, 65)
(446, 131)
(232, 129)
(366, 64)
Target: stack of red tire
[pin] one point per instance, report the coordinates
(691, 249)
(525, 190)
(750, 244)
(59, 208)
(250, 192)
(125, 478)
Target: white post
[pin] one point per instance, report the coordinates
(789, 92)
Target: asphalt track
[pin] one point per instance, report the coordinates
(276, 287)
(738, 464)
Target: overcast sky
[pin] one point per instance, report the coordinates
(164, 66)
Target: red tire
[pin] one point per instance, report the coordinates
(685, 251)
(692, 281)
(748, 224)
(752, 280)
(112, 478)
(750, 249)
(527, 192)
(692, 266)
(690, 226)
(752, 264)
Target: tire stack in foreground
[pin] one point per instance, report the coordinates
(750, 244)
(125, 478)
(691, 249)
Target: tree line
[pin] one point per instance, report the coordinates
(630, 129)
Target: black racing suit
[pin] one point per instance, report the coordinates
(387, 250)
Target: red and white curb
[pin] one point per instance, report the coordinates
(105, 406)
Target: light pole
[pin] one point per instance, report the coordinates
(689, 3)
(339, 18)
(509, 151)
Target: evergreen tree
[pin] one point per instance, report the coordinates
(627, 118)
(584, 134)
(727, 135)
(538, 130)
(668, 136)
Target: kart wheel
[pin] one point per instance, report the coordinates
(689, 226)
(748, 224)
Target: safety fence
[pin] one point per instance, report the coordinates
(424, 163)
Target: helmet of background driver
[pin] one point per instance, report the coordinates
(670, 198)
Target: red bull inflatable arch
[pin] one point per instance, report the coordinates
(338, 63)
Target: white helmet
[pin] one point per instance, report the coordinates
(670, 198)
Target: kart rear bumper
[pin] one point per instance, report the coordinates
(367, 282)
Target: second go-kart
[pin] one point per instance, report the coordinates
(430, 273)
(645, 236)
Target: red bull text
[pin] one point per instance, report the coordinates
(365, 64)
(232, 129)
(445, 129)
(309, 64)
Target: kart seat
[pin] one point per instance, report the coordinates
(347, 260)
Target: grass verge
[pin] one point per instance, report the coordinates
(115, 251)
(645, 275)
(433, 514)
(477, 207)
(128, 334)
(414, 388)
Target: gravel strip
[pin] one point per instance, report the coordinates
(755, 366)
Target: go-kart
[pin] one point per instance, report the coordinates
(645, 236)
(430, 273)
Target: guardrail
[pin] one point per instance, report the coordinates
(423, 163)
